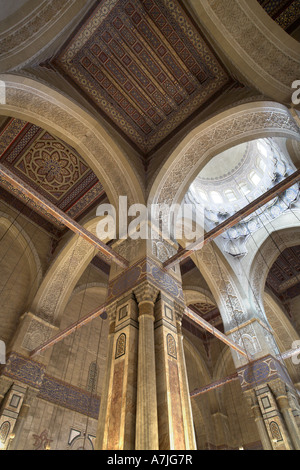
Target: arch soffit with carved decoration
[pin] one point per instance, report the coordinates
(272, 68)
(29, 27)
(62, 276)
(32, 101)
(23, 240)
(232, 127)
(267, 249)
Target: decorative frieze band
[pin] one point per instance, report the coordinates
(32, 373)
(262, 371)
(145, 270)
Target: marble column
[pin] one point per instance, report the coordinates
(264, 377)
(147, 404)
(190, 438)
(146, 413)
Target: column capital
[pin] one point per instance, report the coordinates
(278, 389)
(146, 292)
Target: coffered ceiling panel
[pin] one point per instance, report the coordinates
(144, 66)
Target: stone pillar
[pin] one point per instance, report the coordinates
(257, 415)
(190, 438)
(146, 413)
(280, 392)
(21, 372)
(262, 377)
(116, 429)
(265, 375)
(170, 412)
(146, 394)
(9, 413)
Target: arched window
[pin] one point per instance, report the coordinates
(255, 178)
(203, 195)
(244, 188)
(262, 149)
(261, 164)
(216, 197)
(230, 195)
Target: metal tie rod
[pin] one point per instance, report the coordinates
(59, 215)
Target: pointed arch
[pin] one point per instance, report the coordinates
(232, 127)
(32, 101)
(63, 275)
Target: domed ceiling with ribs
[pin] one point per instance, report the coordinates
(145, 66)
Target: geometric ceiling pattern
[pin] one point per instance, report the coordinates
(144, 66)
(284, 276)
(49, 166)
(285, 12)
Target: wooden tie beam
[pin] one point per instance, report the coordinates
(90, 316)
(288, 354)
(214, 385)
(59, 215)
(70, 329)
(233, 220)
(208, 327)
(231, 378)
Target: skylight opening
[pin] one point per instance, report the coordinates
(255, 178)
(262, 149)
(230, 195)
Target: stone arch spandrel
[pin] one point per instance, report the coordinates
(23, 239)
(32, 101)
(223, 287)
(283, 331)
(193, 295)
(63, 275)
(261, 52)
(35, 25)
(29, 251)
(230, 128)
(267, 251)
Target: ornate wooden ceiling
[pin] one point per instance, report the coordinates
(285, 12)
(284, 276)
(144, 66)
(49, 166)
